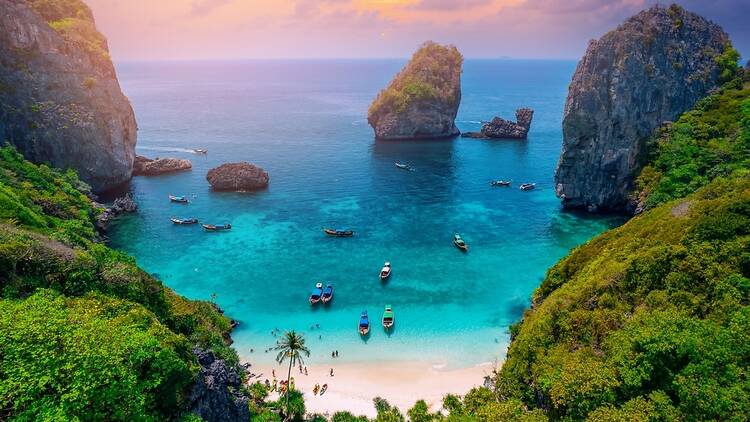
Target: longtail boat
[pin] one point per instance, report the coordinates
(459, 242)
(364, 324)
(389, 318)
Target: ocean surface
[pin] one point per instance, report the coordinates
(305, 123)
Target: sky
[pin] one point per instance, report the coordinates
(269, 29)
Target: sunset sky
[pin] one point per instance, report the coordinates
(240, 29)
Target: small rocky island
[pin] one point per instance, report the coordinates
(422, 100)
(500, 128)
(238, 177)
(649, 70)
(153, 167)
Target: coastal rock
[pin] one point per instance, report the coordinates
(422, 100)
(649, 70)
(152, 167)
(121, 205)
(503, 129)
(237, 177)
(217, 392)
(60, 101)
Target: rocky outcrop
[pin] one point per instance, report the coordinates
(217, 393)
(60, 102)
(122, 205)
(503, 129)
(422, 100)
(147, 167)
(239, 177)
(649, 70)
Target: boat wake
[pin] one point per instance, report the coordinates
(167, 149)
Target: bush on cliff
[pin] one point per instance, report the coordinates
(709, 141)
(430, 75)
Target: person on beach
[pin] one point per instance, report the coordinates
(273, 372)
(331, 371)
(316, 388)
(305, 370)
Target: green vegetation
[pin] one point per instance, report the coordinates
(84, 333)
(709, 141)
(649, 321)
(432, 74)
(75, 22)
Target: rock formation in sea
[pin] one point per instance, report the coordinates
(152, 167)
(60, 101)
(238, 177)
(122, 205)
(504, 129)
(217, 393)
(422, 100)
(649, 70)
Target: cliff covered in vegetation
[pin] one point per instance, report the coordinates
(60, 101)
(650, 321)
(84, 333)
(422, 100)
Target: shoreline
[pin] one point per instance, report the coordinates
(354, 385)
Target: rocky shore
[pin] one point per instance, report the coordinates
(499, 128)
(217, 392)
(238, 177)
(122, 205)
(153, 167)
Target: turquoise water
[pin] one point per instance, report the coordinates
(305, 123)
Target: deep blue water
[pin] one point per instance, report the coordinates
(305, 123)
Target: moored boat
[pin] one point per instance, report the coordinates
(389, 318)
(181, 199)
(184, 220)
(403, 166)
(338, 232)
(327, 295)
(316, 294)
(364, 324)
(500, 183)
(459, 242)
(528, 186)
(212, 228)
(200, 151)
(385, 272)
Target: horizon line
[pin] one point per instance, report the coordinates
(267, 59)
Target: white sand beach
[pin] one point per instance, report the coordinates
(354, 385)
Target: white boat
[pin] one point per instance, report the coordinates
(385, 272)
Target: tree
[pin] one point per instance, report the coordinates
(291, 346)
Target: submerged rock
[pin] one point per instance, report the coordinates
(649, 70)
(60, 102)
(237, 177)
(217, 392)
(503, 129)
(422, 100)
(152, 167)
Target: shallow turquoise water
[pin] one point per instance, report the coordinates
(304, 122)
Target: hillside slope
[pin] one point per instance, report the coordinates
(84, 332)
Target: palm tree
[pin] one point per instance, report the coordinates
(291, 345)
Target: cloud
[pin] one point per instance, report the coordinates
(448, 4)
(205, 7)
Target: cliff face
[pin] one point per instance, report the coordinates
(422, 100)
(649, 70)
(60, 101)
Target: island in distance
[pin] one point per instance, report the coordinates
(500, 128)
(422, 100)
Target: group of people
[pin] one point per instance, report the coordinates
(279, 386)
(335, 354)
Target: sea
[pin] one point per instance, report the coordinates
(305, 123)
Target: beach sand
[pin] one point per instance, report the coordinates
(354, 385)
